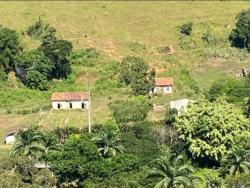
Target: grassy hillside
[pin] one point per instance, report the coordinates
(117, 29)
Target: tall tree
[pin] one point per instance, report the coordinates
(239, 36)
(136, 72)
(34, 69)
(9, 48)
(58, 51)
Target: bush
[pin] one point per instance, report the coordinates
(239, 36)
(132, 110)
(186, 28)
(136, 46)
(235, 90)
(39, 29)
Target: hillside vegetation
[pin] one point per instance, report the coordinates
(115, 30)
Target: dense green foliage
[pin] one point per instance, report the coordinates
(131, 110)
(58, 51)
(210, 128)
(235, 90)
(34, 69)
(9, 47)
(135, 71)
(239, 36)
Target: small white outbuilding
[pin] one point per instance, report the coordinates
(70, 100)
(10, 138)
(181, 104)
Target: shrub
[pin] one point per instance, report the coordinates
(136, 46)
(239, 36)
(186, 28)
(132, 110)
(235, 90)
(39, 30)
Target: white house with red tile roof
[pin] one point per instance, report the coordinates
(70, 100)
(163, 85)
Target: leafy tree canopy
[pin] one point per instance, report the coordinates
(136, 72)
(34, 69)
(210, 128)
(9, 47)
(58, 51)
(239, 36)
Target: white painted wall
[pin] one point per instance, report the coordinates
(66, 104)
(10, 139)
(163, 89)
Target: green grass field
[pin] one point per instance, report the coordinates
(117, 29)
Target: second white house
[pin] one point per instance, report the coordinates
(70, 100)
(163, 85)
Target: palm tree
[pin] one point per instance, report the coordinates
(108, 143)
(174, 172)
(48, 143)
(26, 142)
(237, 161)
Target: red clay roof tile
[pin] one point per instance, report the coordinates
(163, 81)
(70, 96)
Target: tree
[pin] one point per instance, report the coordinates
(173, 171)
(210, 128)
(34, 69)
(236, 161)
(58, 51)
(108, 143)
(48, 143)
(76, 159)
(239, 36)
(136, 72)
(35, 80)
(186, 28)
(9, 48)
(26, 143)
(132, 110)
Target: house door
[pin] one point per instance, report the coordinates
(83, 105)
(58, 105)
(70, 105)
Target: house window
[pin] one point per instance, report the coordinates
(70, 105)
(167, 88)
(83, 105)
(58, 105)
